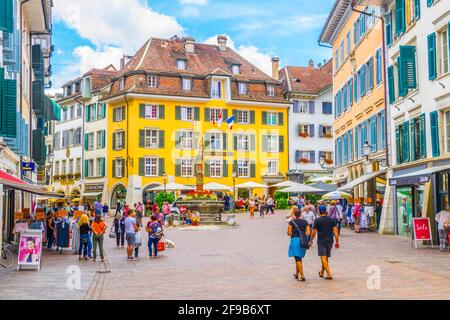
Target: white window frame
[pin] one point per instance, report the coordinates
(186, 84)
(242, 88)
(78, 166)
(271, 90)
(273, 143)
(305, 154)
(243, 117)
(187, 139)
(151, 166)
(119, 166)
(70, 171)
(218, 144)
(443, 51)
(236, 69)
(91, 164)
(119, 111)
(91, 141)
(271, 169)
(216, 89)
(243, 142)
(120, 134)
(447, 130)
(187, 168)
(121, 84)
(303, 128)
(152, 81)
(273, 116)
(243, 168)
(215, 168)
(303, 106)
(181, 64)
(187, 113)
(214, 114)
(151, 112)
(100, 134)
(151, 138)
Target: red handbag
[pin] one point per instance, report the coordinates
(161, 246)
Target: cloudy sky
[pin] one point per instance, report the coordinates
(96, 33)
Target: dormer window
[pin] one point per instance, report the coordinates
(236, 69)
(186, 84)
(271, 90)
(181, 64)
(216, 91)
(121, 84)
(152, 81)
(242, 88)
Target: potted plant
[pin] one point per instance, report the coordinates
(304, 160)
(329, 161)
(303, 134)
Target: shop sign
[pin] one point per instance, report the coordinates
(62, 214)
(18, 215)
(77, 214)
(28, 166)
(40, 214)
(30, 249)
(93, 187)
(422, 230)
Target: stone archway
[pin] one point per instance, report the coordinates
(118, 193)
(149, 195)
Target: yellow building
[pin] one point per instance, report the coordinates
(355, 35)
(164, 109)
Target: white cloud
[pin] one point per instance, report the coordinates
(262, 60)
(90, 58)
(195, 2)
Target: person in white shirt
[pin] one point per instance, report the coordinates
(308, 215)
(443, 219)
(340, 216)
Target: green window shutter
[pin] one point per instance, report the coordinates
(399, 16)
(264, 143)
(417, 8)
(362, 80)
(103, 110)
(114, 141)
(123, 139)
(264, 117)
(412, 140)
(207, 140)
(370, 73)
(86, 168)
(7, 16)
(408, 66)
(252, 169)
(235, 114)
(161, 167)
(388, 20)
(373, 133)
(423, 136)
(235, 167)
(224, 141)
(235, 142)
(177, 169)
(224, 168)
(86, 142)
(406, 141)
(391, 85)
(225, 115)
(161, 134)
(207, 168)
(434, 125)
(252, 142)
(103, 138)
(177, 140)
(430, 3)
(125, 163)
(252, 117)
(196, 113)
(113, 168)
(402, 91)
(103, 167)
(114, 115)
(141, 167)
(207, 115)
(280, 118)
(432, 70)
(141, 138)
(177, 113)
(142, 110)
(281, 143)
(162, 112)
(8, 107)
(398, 139)
(88, 113)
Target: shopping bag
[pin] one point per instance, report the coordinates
(161, 246)
(112, 233)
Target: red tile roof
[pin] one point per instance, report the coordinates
(307, 80)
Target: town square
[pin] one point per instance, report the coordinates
(212, 150)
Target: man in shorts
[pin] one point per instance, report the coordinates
(130, 233)
(325, 228)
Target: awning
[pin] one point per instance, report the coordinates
(360, 180)
(6, 176)
(417, 177)
(92, 194)
(30, 189)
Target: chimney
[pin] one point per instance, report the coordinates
(222, 42)
(311, 63)
(275, 68)
(125, 59)
(189, 45)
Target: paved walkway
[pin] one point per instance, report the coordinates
(246, 262)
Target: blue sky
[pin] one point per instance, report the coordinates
(95, 33)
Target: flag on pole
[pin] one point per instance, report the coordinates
(220, 120)
(230, 122)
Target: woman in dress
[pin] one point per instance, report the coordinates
(298, 228)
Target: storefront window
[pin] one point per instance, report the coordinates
(404, 211)
(443, 190)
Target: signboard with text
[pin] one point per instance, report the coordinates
(422, 229)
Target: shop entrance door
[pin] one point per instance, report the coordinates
(409, 205)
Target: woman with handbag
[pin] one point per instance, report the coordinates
(299, 231)
(154, 231)
(85, 229)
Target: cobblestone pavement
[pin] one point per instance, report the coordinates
(246, 262)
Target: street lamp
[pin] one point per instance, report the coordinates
(367, 150)
(165, 180)
(234, 175)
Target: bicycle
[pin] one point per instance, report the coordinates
(6, 257)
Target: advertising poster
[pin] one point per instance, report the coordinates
(30, 248)
(422, 230)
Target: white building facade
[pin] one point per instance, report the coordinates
(417, 38)
(310, 120)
